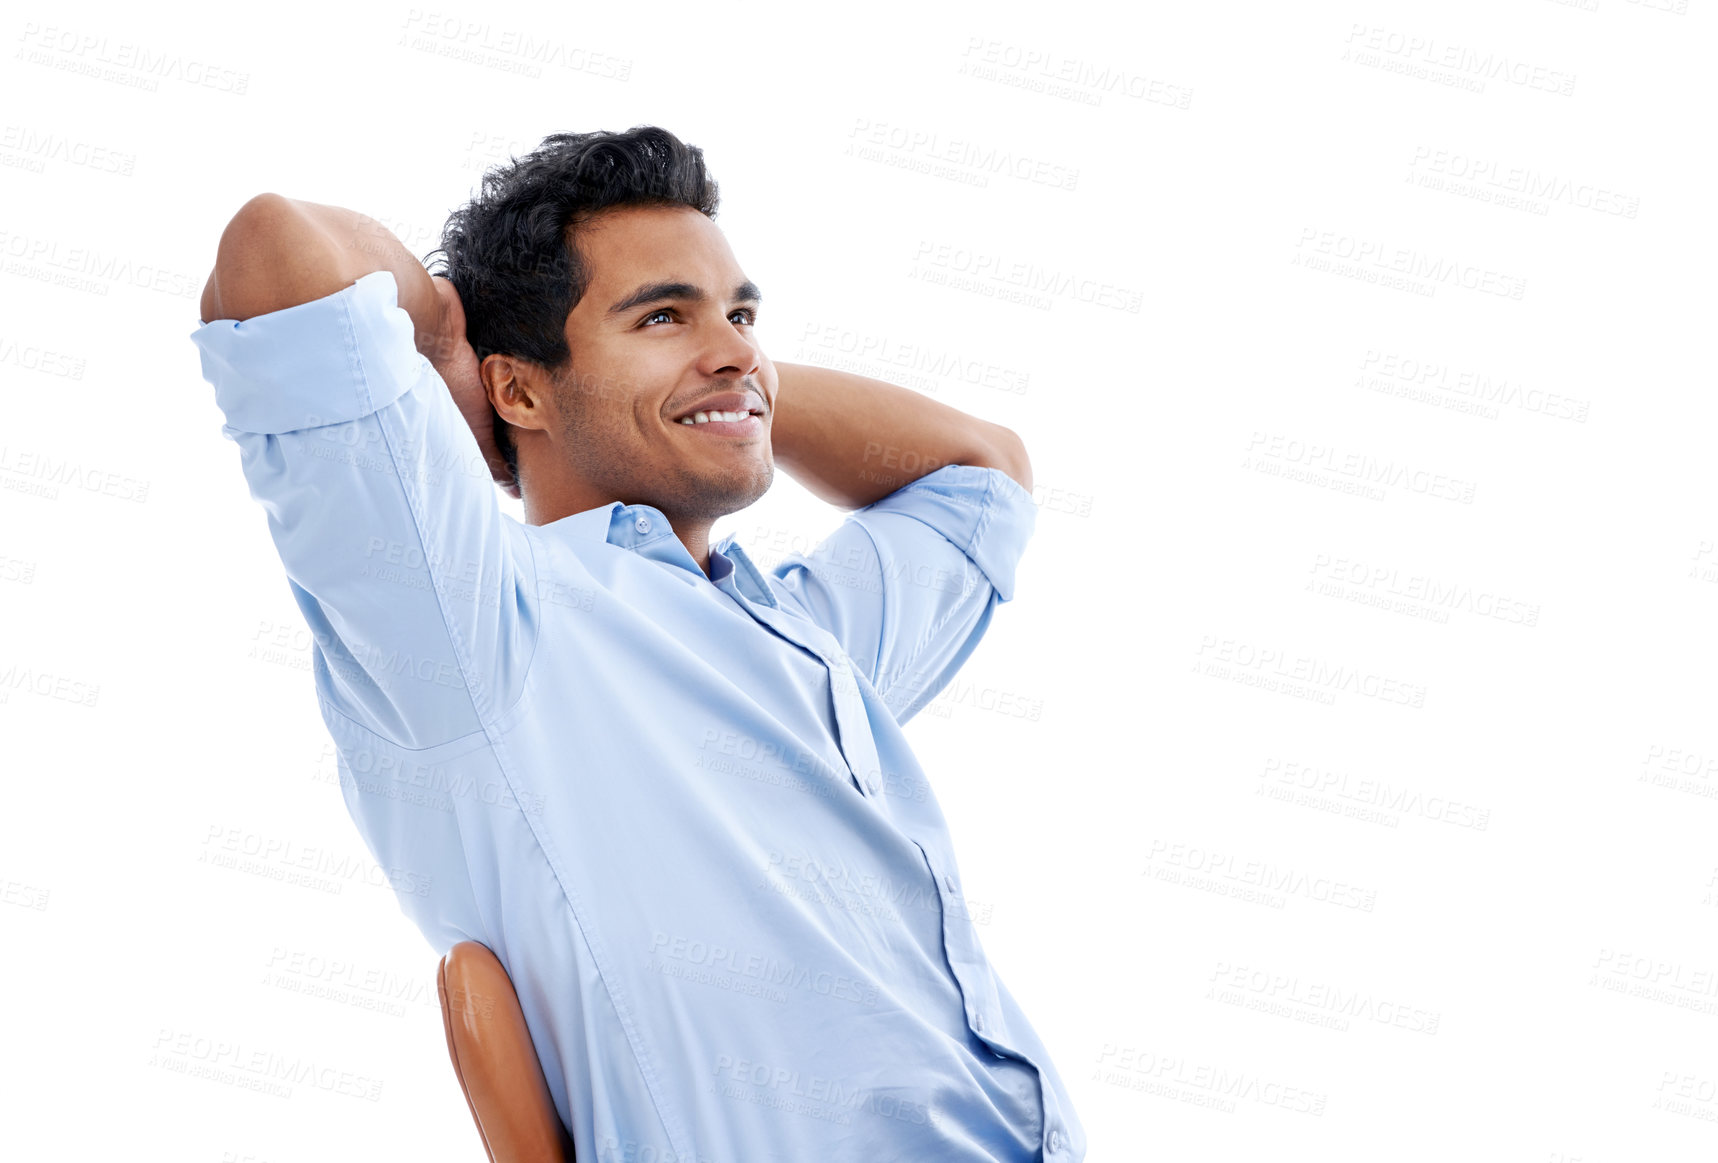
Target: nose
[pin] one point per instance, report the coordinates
(729, 352)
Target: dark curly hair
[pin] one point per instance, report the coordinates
(509, 252)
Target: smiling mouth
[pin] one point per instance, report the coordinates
(725, 423)
(699, 419)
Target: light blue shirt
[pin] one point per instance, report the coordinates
(680, 808)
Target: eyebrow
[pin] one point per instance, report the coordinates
(746, 292)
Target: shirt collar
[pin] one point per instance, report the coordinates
(644, 530)
(741, 573)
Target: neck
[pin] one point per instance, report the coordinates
(541, 509)
(695, 536)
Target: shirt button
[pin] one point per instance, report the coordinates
(642, 524)
(978, 1023)
(948, 883)
(1055, 1140)
(873, 784)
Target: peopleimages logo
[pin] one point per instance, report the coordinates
(1339, 576)
(980, 270)
(255, 1068)
(1222, 656)
(1523, 180)
(1374, 260)
(1426, 58)
(1413, 377)
(1276, 454)
(1071, 78)
(966, 160)
(121, 62)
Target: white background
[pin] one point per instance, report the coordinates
(1331, 523)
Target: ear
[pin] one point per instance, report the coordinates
(517, 390)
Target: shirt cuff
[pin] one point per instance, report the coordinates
(327, 361)
(983, 511)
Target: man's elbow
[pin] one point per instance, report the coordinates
(271, 256)
(229, 290)
(1009, 455)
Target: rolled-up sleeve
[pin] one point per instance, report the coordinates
(417, 589)
(908, 584)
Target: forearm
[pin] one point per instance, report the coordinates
(279, 252)
(852, 440)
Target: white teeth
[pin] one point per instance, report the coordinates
(706, 417)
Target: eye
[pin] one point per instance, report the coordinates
(751, 316)
(665, 311)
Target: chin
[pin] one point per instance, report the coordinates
(743, 490)
(707, 497)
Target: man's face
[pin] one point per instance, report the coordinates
(665, 328)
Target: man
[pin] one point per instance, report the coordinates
(668, 789)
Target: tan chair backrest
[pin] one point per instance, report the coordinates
(495, 1061)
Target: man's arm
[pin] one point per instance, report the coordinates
(280, 252)
(420, 597)
(852, 440)
(908, 583)
(418, 592)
